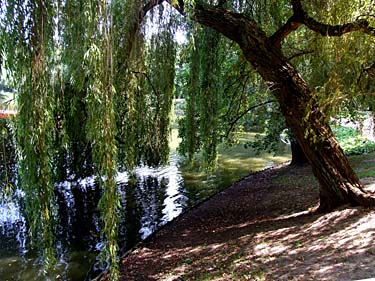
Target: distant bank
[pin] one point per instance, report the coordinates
(7, 113)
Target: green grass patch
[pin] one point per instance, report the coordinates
(233, 163)
(352, 142)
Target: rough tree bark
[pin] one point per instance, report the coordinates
(339, 184)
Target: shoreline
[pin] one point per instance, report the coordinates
(262, 227)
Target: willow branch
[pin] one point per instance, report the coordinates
(131, 37)
(367, 70)
(299, 54)
(370, 68)
(235, 26)
(149, 81)
(235, 96)
(278, 37)
(149, 6)
(233, 123)
(302, 17)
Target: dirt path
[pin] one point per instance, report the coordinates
(260, 228)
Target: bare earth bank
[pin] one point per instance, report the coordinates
(260, 228)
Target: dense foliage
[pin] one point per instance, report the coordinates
(351, 141)
(69, 78)
(101, 74)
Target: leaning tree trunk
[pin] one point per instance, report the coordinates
(339, 185)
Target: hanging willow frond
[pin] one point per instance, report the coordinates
(101, 126)
(162, 55)
(189, 144)
(28, 48)
(201, 124)
(129, 56)
(209, 93)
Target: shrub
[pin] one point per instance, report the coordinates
(352, 142)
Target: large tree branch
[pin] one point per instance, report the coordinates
(300, 17)
(301, 53)
(370, 71)
(278, 37)
(235, 26)
(232, 25)
(338, 30)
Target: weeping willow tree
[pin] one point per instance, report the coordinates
(124, 77)
(32, 51)
(145, 84)
(101, 129)
(263, 43)
(61, 54)
(223, 96)
(344, 61)
(298, 103)
(219, 93)
(188, 130)
(161, 87)
(129, 57)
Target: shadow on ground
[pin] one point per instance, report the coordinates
(261, 228)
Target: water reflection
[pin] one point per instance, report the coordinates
(150, 198)
(159, 195)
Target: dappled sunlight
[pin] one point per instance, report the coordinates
(175, 275)
(369, 183)
(319, 245)
(294, 215)
(265, 228)
(292, 244)
(264, 249)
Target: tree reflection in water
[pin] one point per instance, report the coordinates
(152, 197)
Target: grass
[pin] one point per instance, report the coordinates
(233, 164)
(364, 165)
(352, 142)
(237, 162)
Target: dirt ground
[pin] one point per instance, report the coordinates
(261, 228)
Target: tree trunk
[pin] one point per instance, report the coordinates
(339, 185)
(298, 156)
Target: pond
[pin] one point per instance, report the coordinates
(151, 199)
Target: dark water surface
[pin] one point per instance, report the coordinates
(155, 197)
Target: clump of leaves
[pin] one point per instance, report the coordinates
(274, 131)
(352, 142)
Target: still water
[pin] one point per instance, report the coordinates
(154, 197)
